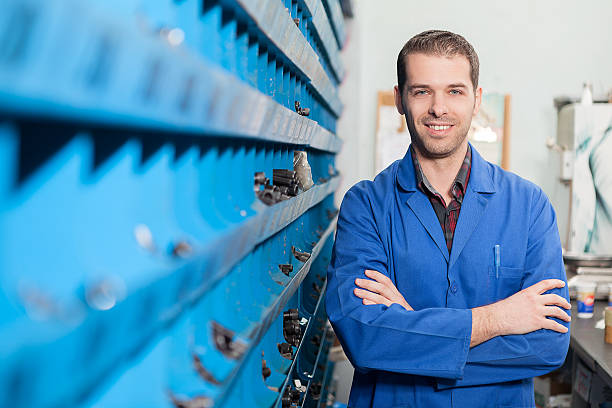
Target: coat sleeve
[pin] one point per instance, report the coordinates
(431, 342)
(514, 357)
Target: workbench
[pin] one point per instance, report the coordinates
(590, 351)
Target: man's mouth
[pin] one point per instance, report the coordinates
(439, 127)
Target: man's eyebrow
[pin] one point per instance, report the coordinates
(411, 87)
(420, 86)
(458, 85)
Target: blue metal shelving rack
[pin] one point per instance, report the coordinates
(138, 268)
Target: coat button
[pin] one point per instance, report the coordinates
(454, 287)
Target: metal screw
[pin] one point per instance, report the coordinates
(301, 111)
(291, 314)
(203, 372)
(181, 249)
(285, 350)
(265, 370)
(331, 214)
(300, 256)
(225, 342)
(195, 402)
(286, 268)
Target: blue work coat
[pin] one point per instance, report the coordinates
(422, 358)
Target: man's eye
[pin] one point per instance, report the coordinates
(421, 92)
(456, 92)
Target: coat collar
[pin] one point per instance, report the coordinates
(480, 177)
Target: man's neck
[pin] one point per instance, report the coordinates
(441, 172)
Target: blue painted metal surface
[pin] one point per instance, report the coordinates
(138, 268)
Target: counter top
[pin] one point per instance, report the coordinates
(589, 342)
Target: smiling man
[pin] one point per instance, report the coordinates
(446, 286)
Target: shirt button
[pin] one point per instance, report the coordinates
(454, 287)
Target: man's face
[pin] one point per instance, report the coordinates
(439, 103)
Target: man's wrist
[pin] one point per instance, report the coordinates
(486, 324)
(495, 320)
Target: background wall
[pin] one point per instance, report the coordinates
(532, 50)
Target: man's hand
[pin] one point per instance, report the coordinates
(523, 312)
(379, 291)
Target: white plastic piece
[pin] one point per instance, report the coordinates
(587, 94)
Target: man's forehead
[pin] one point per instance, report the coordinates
(437, 70)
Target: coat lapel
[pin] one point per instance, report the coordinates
(421, 206)
(419, 203)
(479, 192)
(472, 209)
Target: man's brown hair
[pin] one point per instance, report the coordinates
(439, 43)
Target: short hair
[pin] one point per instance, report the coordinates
(440, 43)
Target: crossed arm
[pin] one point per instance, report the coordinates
(524, 312)
(458, 347)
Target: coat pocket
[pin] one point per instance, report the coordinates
(503, 282)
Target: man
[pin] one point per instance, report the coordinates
(446, 281)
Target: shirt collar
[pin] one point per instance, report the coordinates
(481, 174)
(459, 184)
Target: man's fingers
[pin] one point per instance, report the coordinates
(383, 279)
(552, 325)
(547, 284)
(377, 276)
(375, 287)
(552, 299)
(376, 298)
(382, 290)
(368, 302)
(553, 311)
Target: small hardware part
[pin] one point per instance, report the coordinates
(286, 350)
(300, 256)
(301, 111)
(203, 372)
(286, 268)
(224, 342)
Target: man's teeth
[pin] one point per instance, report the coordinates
(436, 127)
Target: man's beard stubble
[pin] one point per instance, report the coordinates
(431, 151)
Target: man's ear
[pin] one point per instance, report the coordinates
(477, 101)
(398, 100)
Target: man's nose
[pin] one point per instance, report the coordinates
(438, 106)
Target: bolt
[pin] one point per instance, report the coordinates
(196, 402)
(224, 342)
(285, 350)
(331, 214)
(291, 314)
(181, 249)
(203, 372)
(265, 370)
(286, 268)
(301, 111)
(300, 256)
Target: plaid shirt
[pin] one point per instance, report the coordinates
(447, 215)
